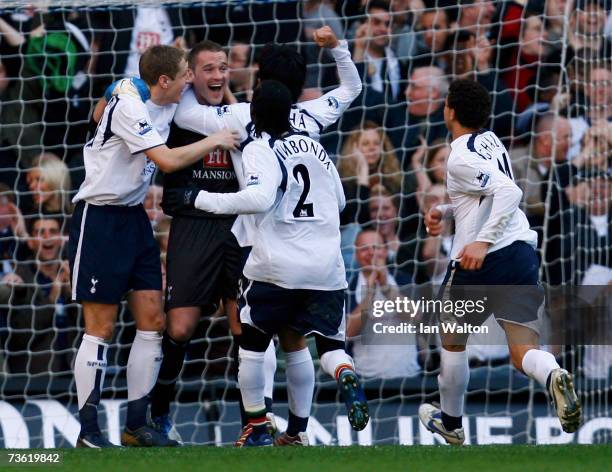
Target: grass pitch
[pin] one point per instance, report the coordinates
(338, 459)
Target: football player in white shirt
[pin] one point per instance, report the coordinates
(295, 269)
(493, 245)
(284, 64)
(280, 63)
(111, 245)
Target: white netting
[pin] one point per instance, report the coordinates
(547, 66)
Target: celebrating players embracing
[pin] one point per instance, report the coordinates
(295, 268)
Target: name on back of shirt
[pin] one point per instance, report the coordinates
(287, 148)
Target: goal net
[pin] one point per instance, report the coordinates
(547, 66)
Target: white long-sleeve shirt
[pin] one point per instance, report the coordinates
(312, 116)
(484, 198)
(295, 192)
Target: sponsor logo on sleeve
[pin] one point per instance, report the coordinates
(142, 127)
(482, 178)
(332, 102)
(252, 179)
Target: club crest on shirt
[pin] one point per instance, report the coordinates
(482, 178)
(224, 110)
(142, 127)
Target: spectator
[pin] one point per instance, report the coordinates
(49, 184)
(523, 61)
(12, 229)
(378, 65)
(586, 30)
(545, 96)
(598, 92)
(433, 30)
(433, 170)
(367, 158)
(383, 215)
(476, 16)
(593, 232)
(403, 13)
(42, 324)
(374, 282)
(384, 210)
(423, 115)
(242, 75)
(471, 58)
(128, 32)
(532, 168)
(318, 13)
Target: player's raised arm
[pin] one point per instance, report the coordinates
(328, 108)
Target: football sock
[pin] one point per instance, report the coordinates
(538, 365)
(252, 382)
(333, 362)
(300, 389)
(269, 371)
(163, 392)
(89, 370)
(453, 381)
(142, 369)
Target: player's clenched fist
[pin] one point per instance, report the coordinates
(473, 255)
(325, 37)
(433, 222)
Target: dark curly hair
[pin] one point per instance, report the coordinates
(285, 64)
(471, 103)
(270, 108)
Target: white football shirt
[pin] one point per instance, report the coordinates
(295, 192)
(311, 116)
(484, 197)
(117, 172)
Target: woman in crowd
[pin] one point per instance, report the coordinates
(367, 159)
(49, 184)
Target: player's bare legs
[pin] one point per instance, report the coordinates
(90, 367)
(143, 367)
(542, 366)
(181, 323)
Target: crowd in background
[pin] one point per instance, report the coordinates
(551, 86)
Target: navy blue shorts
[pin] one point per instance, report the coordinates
(112, 250)
(508, 278)
(269, 307)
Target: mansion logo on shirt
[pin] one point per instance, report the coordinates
(218, 158)
(216, 165)
(142, 127)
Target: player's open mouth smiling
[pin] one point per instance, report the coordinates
(216, 87)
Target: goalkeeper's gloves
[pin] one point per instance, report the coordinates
(181, 198)
(131, 86)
